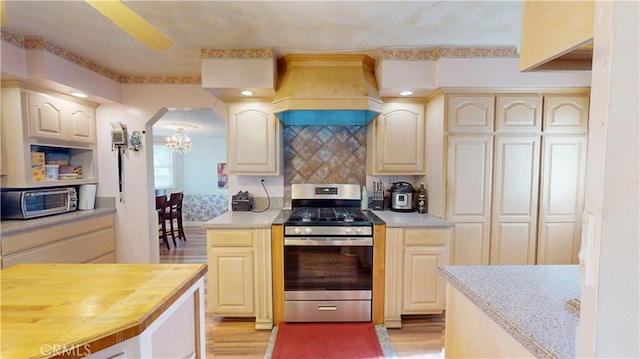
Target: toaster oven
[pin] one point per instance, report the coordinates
(32, 203)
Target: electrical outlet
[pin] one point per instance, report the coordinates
(262, 181)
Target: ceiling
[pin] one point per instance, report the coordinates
(284, 26)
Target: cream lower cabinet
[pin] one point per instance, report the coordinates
(412, 283)
(254, 140)
(85, 241)
(395, 140)
(239, 274)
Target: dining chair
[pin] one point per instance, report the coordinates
(161, 209)
(174, 216)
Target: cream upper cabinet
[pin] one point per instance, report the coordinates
(566, 114)
(254, 138)
(470, 113)
(518, 113)
(395, 140)
(58, 119)
(515, 199)
(36, 121)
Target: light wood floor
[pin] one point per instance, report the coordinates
(420, 337)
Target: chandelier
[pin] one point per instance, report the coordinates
(180, 143)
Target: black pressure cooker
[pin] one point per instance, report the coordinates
(402, 197)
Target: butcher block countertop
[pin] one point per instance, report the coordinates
(89, 306)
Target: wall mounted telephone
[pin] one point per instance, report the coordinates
(119, 143)
(118, 135)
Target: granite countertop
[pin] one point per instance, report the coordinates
(265, 219)
(49, 307)
(104, 206)
(412, 219)
(528, 302)
(249, 219)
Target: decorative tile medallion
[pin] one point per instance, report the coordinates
(324, 154)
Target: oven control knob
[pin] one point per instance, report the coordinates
(297, 230)
(307, 230)
(348, 230)
(360, 230)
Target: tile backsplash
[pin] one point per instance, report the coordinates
(324, 154)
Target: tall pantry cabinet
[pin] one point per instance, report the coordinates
(514, 175)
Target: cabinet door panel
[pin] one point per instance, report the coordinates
(566, 114)
(561, 198)
(470, 113)
(515, 202)
(519, 113)
(469, 178)
(513, 243)
(405, 127)
(470, 244)
(231, 290)
(559, 243)
(45, 117)
(253, 140)
(400, 146)
(81, 125)
(423, 287)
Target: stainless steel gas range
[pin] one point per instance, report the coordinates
(328, 255)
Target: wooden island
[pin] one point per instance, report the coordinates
(103, 310)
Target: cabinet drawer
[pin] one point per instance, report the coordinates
(236, 238)
(428, 237)
(32, 239)
(74, 250)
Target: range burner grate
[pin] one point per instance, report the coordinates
(310, 214)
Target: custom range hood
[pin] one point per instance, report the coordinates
(327, 90)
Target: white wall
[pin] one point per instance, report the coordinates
(610, 316)
(200, 166)
(143, 104)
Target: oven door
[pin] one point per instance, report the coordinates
(328, 279)
(328, 264)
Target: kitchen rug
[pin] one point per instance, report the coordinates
(329, 340)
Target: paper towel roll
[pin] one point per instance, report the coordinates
(87, 198)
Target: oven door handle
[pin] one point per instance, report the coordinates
(329, 241)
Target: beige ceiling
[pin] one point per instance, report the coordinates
(285, 26)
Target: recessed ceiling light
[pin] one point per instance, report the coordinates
(246, 93)
(406, 93)
(80, 94)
